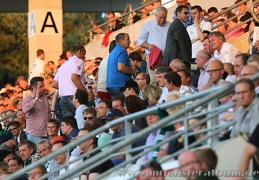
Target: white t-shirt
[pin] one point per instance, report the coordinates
(227, 53)
(37, 68)
(101, 86)
(198, 45)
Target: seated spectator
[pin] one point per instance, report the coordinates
(116, 24)
(119, 131)
(246, 115)
(254, 59)
(223, 50)
(96, 97)
(152, 94)
(136, 62)
(15, 164)
(89, 114)
(3, 167)
(69, 128)
(135, 104)
(247, 72)
(44, 148)
(194, 121)
(53, 129)
(215, 69)
(89, 146)
(213, 13)
(229, 68)
(232, 24)
(37, 172)
(27, 150)
(18, 135)
(143, 80)
(151, 170)
(186, 79)
(153, 137)
(5, 155)
(208, 160)
(118, 103)
(103, 107)
(223, 27)
(98, 33)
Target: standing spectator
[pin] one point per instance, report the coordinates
(153, 34)
(187, 4)
(198, 31)
(223, 50)
(70, 77)
(119, 70)
(38, 66)
(37, 111)
(101, 86)
(178, 43)
(80, 102)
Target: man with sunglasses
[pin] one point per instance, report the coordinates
(178, 44)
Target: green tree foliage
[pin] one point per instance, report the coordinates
(13, 46)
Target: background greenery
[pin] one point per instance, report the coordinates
(14, 40)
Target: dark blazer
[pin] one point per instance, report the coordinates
(178, 43)
(23, 136)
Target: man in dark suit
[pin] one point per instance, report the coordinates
(178, 43)
(18, 135)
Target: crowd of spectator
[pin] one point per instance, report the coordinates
(87, 94)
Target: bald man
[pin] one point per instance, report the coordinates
(247, 72)
(215, 70)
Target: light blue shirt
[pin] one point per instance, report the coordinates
(152, 33)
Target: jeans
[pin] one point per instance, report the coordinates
(35, 139)
(66, 104)
(114, 92)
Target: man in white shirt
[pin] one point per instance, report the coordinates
(38, 66)
(154, 33)
(80, 100)
(198, 31)
(226, 52)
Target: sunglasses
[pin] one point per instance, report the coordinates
(88, 118)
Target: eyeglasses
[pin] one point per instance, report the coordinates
(137, 79)
(43, 150)
(186, 13)
(88, 118)
(12, 165)
(212, 70)
(13, 129)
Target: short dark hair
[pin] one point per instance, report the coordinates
(212, 9)
(35, 80)
(133, 104)
(163, 69)
(77, 48)
(39, 52)
(247, 81)
(18, 160)
(135, 56)
(146, 77)
(230, 15)
(208, 156)
(81, 96)
(180, 8)
(107, 103)
(112, 45)
(15, 123)
(196, 7)
(70, 120)
(54, 121)
(119, 98)
(244, 57)
(119, 37)
(174, 78)
(29, 144)
(187, 73)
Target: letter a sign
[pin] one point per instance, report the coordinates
(52, 25)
